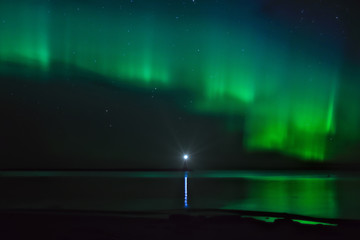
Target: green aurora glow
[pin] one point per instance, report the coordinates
(288, 88)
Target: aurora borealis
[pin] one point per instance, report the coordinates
(289, 71)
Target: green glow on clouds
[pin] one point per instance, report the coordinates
(286, 87)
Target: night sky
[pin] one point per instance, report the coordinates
(139, 83)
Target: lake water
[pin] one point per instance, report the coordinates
(317, 194)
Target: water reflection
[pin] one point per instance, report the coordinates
(312, 194)
(311, 197)
(185, 190)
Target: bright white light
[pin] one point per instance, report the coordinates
(186, 157)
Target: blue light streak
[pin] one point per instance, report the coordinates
(185, 191)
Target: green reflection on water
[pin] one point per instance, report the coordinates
(306, 196)
(302, 193)
(313, 222)
(272, 219)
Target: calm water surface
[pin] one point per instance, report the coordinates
(318, 194)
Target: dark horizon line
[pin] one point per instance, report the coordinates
(344, 168)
